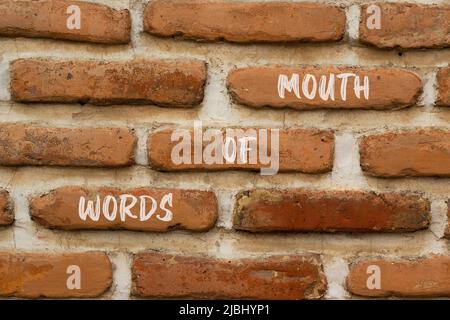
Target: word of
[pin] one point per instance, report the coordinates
(111, 208)
(74, 280)
(239, 146)
(374, 280)
(310, 87)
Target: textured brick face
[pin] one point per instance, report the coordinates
(48, 19)
(411, 153)
(388, 88)
(309, 151)
(407, 25)
(284, 277)
(6, 210)
(22, 145)
(41, 275)
(189, 209)
(443, 79)
(424, 277)
(166, 83)
(245, 22)
(319, 211)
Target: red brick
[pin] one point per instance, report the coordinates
(161, 82)
(23, 145)
(424, 152)
(48, 19)
(6, 209)
(389, 88)
(443, 79)
(244, 21)
(422, 277)
(329, 211)
(282, 277)
(191, 209)
(300, 150)
(407, 25)
(44, 275)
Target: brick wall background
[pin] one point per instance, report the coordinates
(337, 251)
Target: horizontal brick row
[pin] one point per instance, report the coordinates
(419, 277)
(422, 152)
(283, 277)
(162, 275)
(180, 83)
(257, 210)
(43, 275)
(384, 25)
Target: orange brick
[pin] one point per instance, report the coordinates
(174, 209)
(245, 22)
(6, 208)
(443, 79)
(49, 19)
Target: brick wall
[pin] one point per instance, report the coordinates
(363, 183)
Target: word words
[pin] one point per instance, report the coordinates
(325, 88)
(111, 207)
(74, 280)
(74, 20)
(237, 146)
(374, 19)
(227, 310)
(374, 280)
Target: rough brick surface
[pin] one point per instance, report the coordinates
(6, 208)
(407, 25)
(48, 19)
(443, 80)
(329, 211)
(422, 277)
(447, 230)
(189, 209)
(22, 145)
(424, 152)
(284, 277)
(162, 82)
(245, 22)
(38, 275)
(300, 150)
(389, 88)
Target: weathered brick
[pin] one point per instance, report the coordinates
(407, 25)
(447, 230)
(422, 277)
(162, 82)
(424, 152)
(282, 277)
(38, 275)
(244, 21)
(386, 88)
(91, 147)
(300, 150)
(49, 19)
(6, 209)
(174, 209)
(329, 211)
(443, 79)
